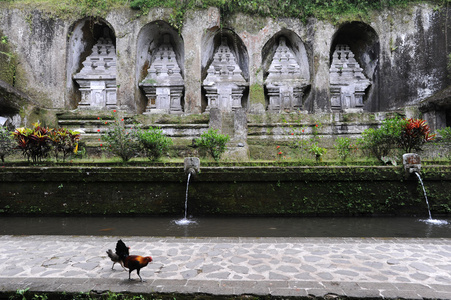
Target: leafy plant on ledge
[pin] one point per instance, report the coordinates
(344, 147)
(153, 142)
(213, 142)
(120, 140)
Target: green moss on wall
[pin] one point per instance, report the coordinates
(8, 61)
(257, 94)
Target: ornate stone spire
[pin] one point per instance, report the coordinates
(285, 83)
(347, 81)
(164, 83)
(97, 78)
(224, 82)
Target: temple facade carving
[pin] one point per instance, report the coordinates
(285, 83)
(97, 78)
(224, 83)
(164, 83)
(347, 81)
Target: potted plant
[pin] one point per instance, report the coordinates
(317, 151)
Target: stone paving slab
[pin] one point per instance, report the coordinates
(285, 267)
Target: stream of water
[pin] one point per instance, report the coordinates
(185, 221)
(429, 220)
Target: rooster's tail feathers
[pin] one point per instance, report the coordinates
(121, 249)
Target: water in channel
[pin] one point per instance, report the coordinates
(226, 227)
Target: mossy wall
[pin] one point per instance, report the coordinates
(258, 191)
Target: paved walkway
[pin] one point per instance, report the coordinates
(352, 267)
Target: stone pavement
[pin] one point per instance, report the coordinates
(284, 267)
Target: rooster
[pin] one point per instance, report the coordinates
(132, 262)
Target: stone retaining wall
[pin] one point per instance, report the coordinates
(291, 191)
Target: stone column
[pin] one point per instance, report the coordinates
(196, 23)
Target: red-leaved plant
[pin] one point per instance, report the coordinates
(415, 133)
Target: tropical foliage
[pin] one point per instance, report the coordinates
(64, 141)
(36, 143)
(414, 134)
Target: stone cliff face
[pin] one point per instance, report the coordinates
(403, 55)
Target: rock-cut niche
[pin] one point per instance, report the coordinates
(92, 65)
(160, 61)
(286, 72)
(354, 58)
(225, 71)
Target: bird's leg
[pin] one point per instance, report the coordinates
(122, 265)
(112, 266)
(137, 271)
(129, 273)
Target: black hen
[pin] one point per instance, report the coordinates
(132, 262)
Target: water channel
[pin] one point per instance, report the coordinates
(226, 227)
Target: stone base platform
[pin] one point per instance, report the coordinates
(227, 267)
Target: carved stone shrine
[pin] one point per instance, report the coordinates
(285, 83)
(347, 81)
(97, 78)
(224, 83)
(164, 83)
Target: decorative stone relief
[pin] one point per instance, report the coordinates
(97, 78)
(164, 84)
(285, 83)
(224, 83)
(347, 81)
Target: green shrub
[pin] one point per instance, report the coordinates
(6, 143)
(120, 140)
(153, 142)
(344, 147)
(446, 134)
(213, 142)
(384, 141)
